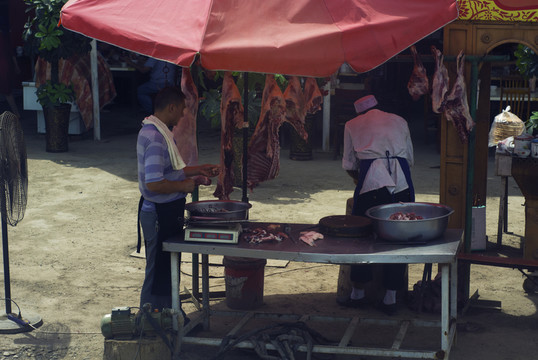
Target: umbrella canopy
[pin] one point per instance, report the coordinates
(298, 37)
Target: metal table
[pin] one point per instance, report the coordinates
(336, 250)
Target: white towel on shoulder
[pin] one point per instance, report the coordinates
(175, 156)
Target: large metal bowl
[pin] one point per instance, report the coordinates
(433, 224)
(208, 210)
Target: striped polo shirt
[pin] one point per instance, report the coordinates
(154, 165)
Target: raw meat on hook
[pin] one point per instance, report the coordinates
(457, 107)
(231, 119)
(418, 84)
(440, 82)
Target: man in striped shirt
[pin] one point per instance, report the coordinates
(164, 182)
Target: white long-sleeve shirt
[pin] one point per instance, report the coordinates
(370, 136)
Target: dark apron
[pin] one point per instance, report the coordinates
(393, 274)
(408, 195)
(170, 223)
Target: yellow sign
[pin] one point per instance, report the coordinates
(499, 10)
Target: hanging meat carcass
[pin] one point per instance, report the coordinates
(185, 130)
(296, 106)
(231, 116)
(418, 84)
(264, 146)
(439, 82)
(456, 107)
(312, 95)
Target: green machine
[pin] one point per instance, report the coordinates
(123, 324)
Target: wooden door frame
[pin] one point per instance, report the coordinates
(474, 38)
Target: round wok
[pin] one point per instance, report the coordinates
(433, 224)
(208, 210)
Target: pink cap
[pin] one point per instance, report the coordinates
(365, 103)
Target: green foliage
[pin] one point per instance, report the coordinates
(211, 98)
(45, 38)
(210, 107)
(532, 123)
(49, 94)
(526, 61)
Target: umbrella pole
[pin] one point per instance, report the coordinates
(245, 136)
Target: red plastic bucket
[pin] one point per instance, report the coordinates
(244, 282)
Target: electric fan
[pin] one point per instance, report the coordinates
(13, 195)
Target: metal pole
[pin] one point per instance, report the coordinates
(326, 117)
(95, 92)
(245, 136)
(470, 160)
(176, 304)
(7, 280)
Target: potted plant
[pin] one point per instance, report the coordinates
(45, 38)
(532, 124)
(527, 64)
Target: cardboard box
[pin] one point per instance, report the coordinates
(478, 228)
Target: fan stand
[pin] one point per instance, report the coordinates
(8, 326)
(13, 172)
(11, 323)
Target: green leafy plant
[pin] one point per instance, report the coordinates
(211, 97)
(210, 107)
(49, 94)
(532, 123)
(45, 38)
(526, 61)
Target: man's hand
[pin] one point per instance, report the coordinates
(209, 170)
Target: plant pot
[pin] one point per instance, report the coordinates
(57, 127)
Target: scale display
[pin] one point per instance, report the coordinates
(229, 235)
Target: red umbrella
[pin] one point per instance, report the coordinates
(297, 37)
(293, 37)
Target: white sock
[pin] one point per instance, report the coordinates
(357, 294)
(390, 297)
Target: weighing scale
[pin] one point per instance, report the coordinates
(217, 233)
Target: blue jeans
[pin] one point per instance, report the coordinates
(150, 227)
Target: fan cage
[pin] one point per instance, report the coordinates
(13, 169)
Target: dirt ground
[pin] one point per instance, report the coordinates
(71, 263)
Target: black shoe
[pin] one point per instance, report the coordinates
(387, 309)
(354, 303)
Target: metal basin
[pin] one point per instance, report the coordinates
(208, 210)
(433, 224)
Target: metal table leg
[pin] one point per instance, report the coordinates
(195, 277)
(445, 341)
(174, 262)
(449, 304)
(205, 290)
(503, 211)
(454, 290)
